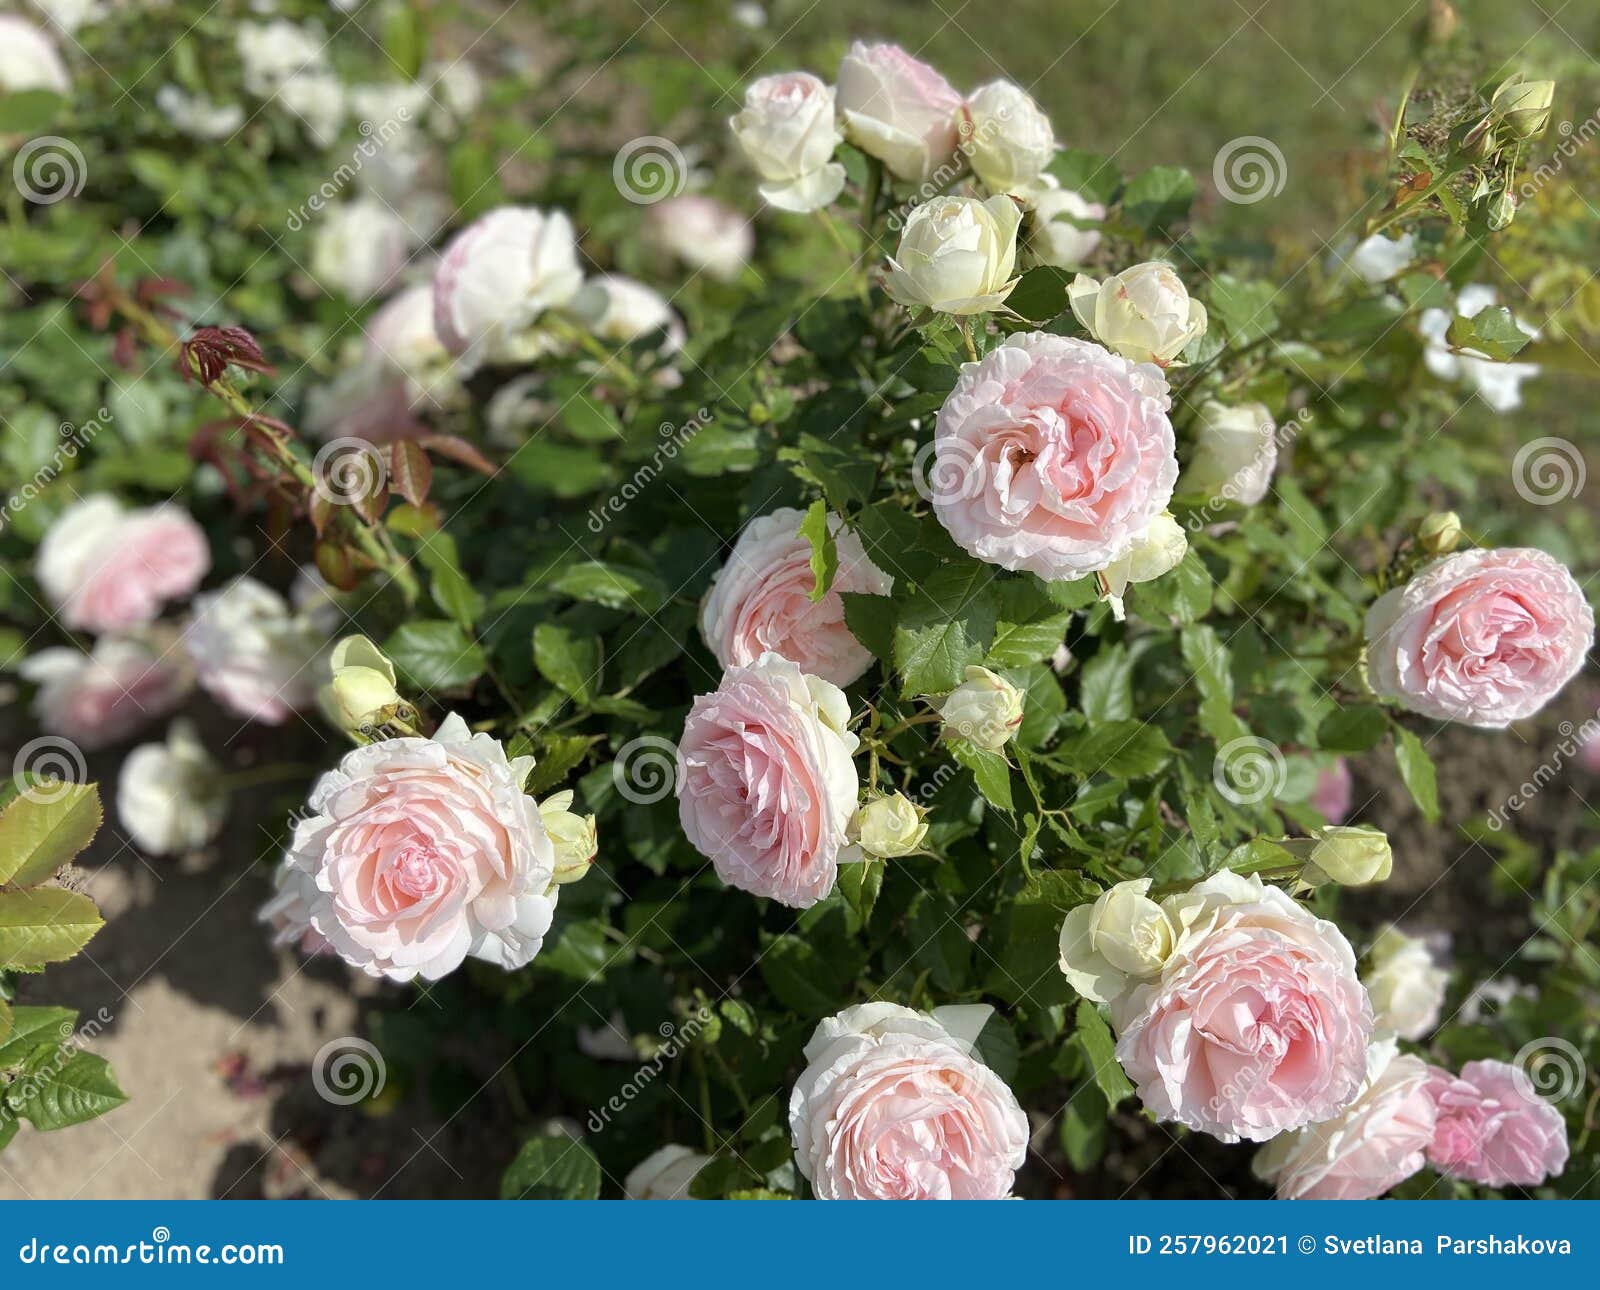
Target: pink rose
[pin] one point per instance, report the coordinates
(761, 600)
(103, 697)
(106, 569)
(1484, 637)
(1254, 1024)
(766, 784)
(1493, 1127)
(255, 653)
(1375, 1143)
(894, 1106)
(1330, 796)
(288, 913)
(898, 110)
(415, 853)
(1052, 455)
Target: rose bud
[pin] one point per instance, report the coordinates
(787, 131)
(574, 836)
(362, 685)
(1158, 550)
(1405, 985)
(956, 255)
(170, 796)
(1439, 533)
(1123, 934)
(1144, 313)
(1053, 238)
(985, 710)
(1350, 855)
(1522, 107)
(1236, 450)
(890, 826)
(1007, 137)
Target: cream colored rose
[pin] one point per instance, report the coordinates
(665, 1174)
(787, 131)
(985, 710)
(1158, 550)
(1351, 855)
(1052, 236)
(1144, 313)
(361, 685)
(1007, 137)
(956, 255)
(1405, 985)
(1236, 451)
(573, 836)
(170, 796)
(1122, 936)
(890, 826)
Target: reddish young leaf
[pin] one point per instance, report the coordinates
(411, 470)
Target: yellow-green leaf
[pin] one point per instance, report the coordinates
(45, 827)
(44, 925)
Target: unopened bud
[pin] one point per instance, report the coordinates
(1439, 533)
(1522, 107)
(1351, 856)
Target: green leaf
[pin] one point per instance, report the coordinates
(990, 769)
(1085, 1127)
(569, 660)
(590, 422)
(1101, 1050)
(860, 882)
(871, 621)
(1041, 293)
(1126, 749)
(1105, 685)
(583, 951)
(1092, 175)
(1029, 626)
(44, 827)
(945, 627)
(5, 1022)
(1184, 594)
(1417, 772)
(29, 111)
(404, 39)
(58, 1093)
(435, 655)
(1353, 729)
(1492, 331)
(824, 553)
(613, 586)
(33, 1028)
(1243, 308)
(554, 1167)
(1062, 890)
(1158, 198)
(802, 977)
(451, 590)
(562, 755)
(44, 925)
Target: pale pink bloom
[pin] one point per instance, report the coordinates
(1255, 1023)
(766, 785)
(1493, 1127)
(1482, 637)
(103, 697)
(288, 913)
(1330, 796)
(704, 234)
(761, 600)
(1375, 1143)
(107, 569)
(1589, 752)
(895, 1105)
(258, 654)
(1052, 455)
(421, 852)
(898, 109)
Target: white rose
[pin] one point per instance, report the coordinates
(317, 99)
(1007, 137)
(1144, 313)
(898, 110)
(253, 653)
(788, 132)
(1405, 985)
(573, 836)
(621, 310)
(358, 248)
(1156, 551)
(456, 84)
(1236, 451)
(498, 275)
(665, 1174)
(1380, 258)
(1497, 384)
(389, 107)
(956, 255)
(985, 710)
(29, 59)
(197, 116)
(1052, 237)
(890, 826)
(1350, 855)
(704, 234)
(272, 52)
(1122, 935)
(69, 15)
(170, 796)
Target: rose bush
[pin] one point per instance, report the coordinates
(893, 632)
